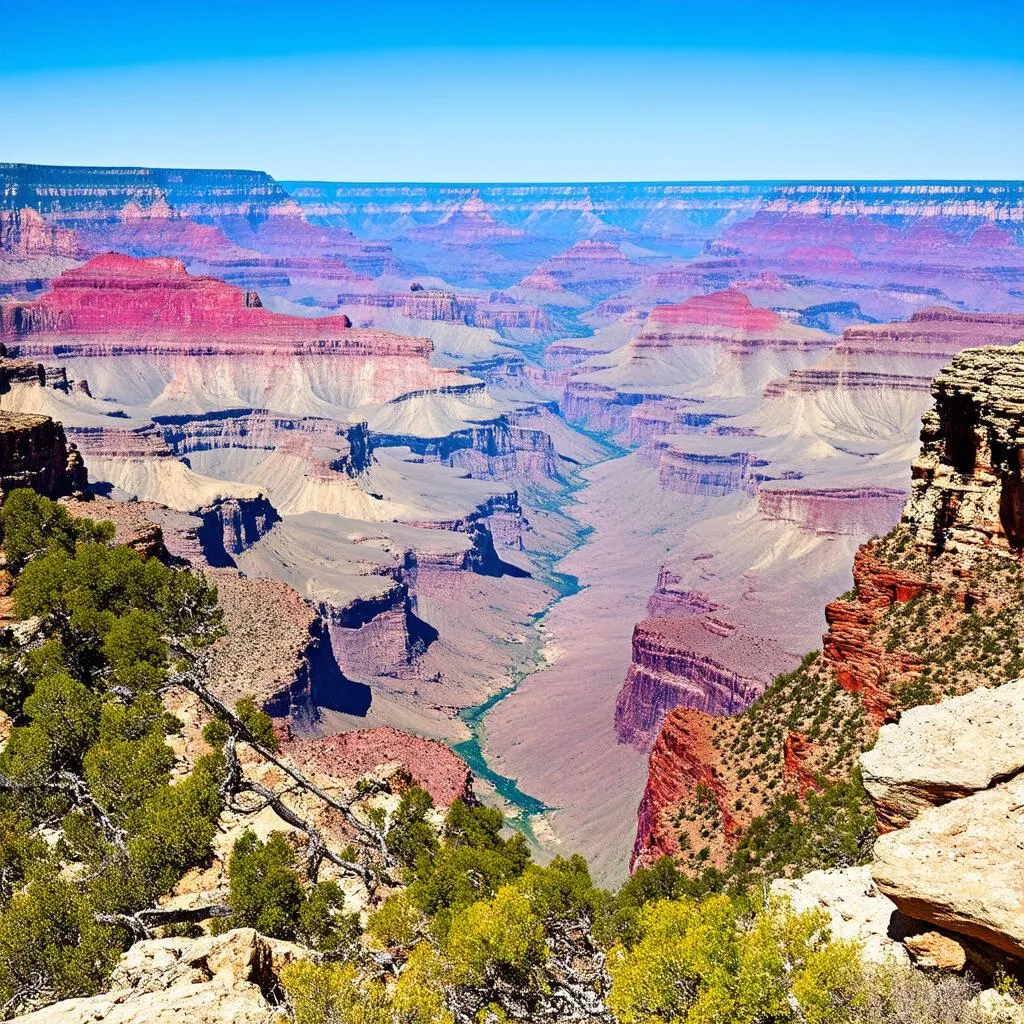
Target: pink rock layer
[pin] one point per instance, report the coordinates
(936, 333)
(730, 308)
(430, 764)
(839, 511)
(156, 305)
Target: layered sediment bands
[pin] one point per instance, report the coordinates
(682, 761)
(114, 293)
(259, 429)
(34, 452)
(672, 600)
(114, 442)
(936, 332)
(600, 407)
(726, 318)
(232, 525)
(89, 193)
(447, 307)
(666, 674)
(377, 636)
(24, 232)
(857, 655)
(593, 269)
(840, 511)
(16, 372)
(968, 482)
(499, 520)
(495, 450)
(814, 380)
(698, 473)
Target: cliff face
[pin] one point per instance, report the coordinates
(260, 430)
(934, 612)
(491, 451)
(34, 452)
(232, 525)
(92, 192)
(24, 232)
(664, 675)
(968, 489)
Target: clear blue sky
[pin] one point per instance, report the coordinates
(555, 90)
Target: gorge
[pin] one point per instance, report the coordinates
(543, 462)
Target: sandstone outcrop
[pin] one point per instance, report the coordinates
(958, 866)
(852, 646)
(34, 452)
(968, 487)
(949, 779)
(858, 911)
(941, 752)
(210, 980)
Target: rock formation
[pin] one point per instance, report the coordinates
(34, 452)
(942, 752)
(949, 779)
(934, 612)
(969, 478)
(665, 675)
(209, 980)
(428, 763)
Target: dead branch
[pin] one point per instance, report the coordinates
(141, 924)
(191, 681)
(77, 790)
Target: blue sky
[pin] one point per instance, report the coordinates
(460, 91)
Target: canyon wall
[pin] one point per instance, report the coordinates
(34, 452)
(932, 613)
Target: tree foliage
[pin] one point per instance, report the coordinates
(88, 758)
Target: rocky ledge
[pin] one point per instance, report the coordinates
(230, 977)
(953, 776)
(34, 452)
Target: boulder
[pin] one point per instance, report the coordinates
(937, 951)
(940, 752)
(959, 866)
(857, 911)
(210, 980)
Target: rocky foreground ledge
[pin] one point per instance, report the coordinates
(210, 980)
(946, 884)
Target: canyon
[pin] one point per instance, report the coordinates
(606, 450)
(932, 620)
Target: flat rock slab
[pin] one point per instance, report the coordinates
(940, 752)
(961, 866)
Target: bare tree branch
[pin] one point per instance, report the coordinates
(77, 790)
(191, 681)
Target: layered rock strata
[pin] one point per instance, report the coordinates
(968, 487)
(664, 674)
(34, 452)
